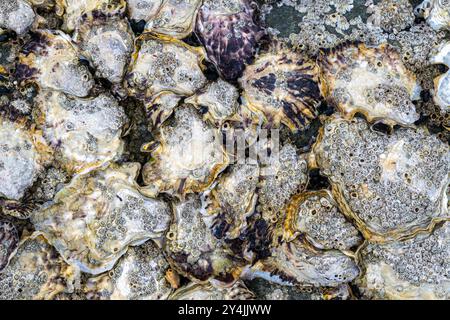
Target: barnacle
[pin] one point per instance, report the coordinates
(108, 42)
(16, 15)
(52, 60)
(93, 220)
(369, 80)
(196, 291)
(73, 10)
(412, 269)
(23, 156)
(85, 133)
(186, 155)
(194, 251)
(143, 9)
(316, 216)
(436, 13)
(391, 185)
(220, 99)
(9, 241)
(391, 16)
(139, 274)
(161, 65)
(441, 95)
(36, 272)
(175, 18)
(229, 33)
(283, 86)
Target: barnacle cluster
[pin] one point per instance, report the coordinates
(224, 149)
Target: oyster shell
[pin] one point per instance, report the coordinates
(93, 220)
(436, 13)
(139, 274)
(52, 60)
(194, 251)
(108, 43)
(392, 186)
(369, 80)
(218, 101)
(283, 175)
(233, 200)
(283, 86)
(297, 263)
(23, 156)
(9, 241)
(143, 9)
(36, 272)
(162, 66)
(187, 155)
(174, 18)
(317, 216)
(442, 84)
(73, 10)
(16, 15)
(85, 133)
(229, 33)
(417, 268)
(196, 291)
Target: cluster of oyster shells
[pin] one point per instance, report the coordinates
(224, 149)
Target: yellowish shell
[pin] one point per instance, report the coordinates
(93, 220)
(36, 272)
(187, 155)
(392, 186)
(85, 133)
(195, 291)
(52, 60)
(369, 80)
(283, 86)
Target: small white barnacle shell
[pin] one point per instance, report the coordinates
(441, 54)
(415, 269)
(94, 219)
(36, 272)
(52, 61)
(436, 13)
(16, 15)
(84, 132)
(139, 274)
(23, 156)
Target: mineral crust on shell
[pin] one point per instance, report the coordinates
(17, 15)
(93, 220)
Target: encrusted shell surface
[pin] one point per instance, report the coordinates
(391, 16)
(85, 133)
(108, 43)
(23, 156)
(391, 185)
(194, 251)
(316, 216)
(16, 15)
(441, 95)
(93, 220)
(175, 18)
(143, 9)
(297, 263)
(196, 291)
(233, 200)
(436, 12)
(73, 10)
(36, 272)
(9, 241)
(228, 31)
(187, 155)
(52, 60)
(417, 268)
(220, 99)
(283, 86)
(369, 80)
(283, 174)
(162, 65)
(139, 274)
